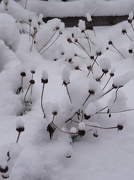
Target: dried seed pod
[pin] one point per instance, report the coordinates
(51, 129)
(32, 81)
(20, 126)
(23, 74)
(4, 169)
(119, 127)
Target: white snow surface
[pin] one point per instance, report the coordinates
(36, 156)
(81, 8)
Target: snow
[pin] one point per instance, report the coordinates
(81, 8)
(98, 154)
(81, 126)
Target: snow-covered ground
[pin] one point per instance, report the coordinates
(80, 8)
(96, 154)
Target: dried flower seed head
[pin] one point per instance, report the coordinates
(33, 71)
(4, 169)
(20, 126)
(98, 53)
(69, 40)
(86, 116)
(130, 51)
(119, 127)
(110, 42)
(111, 74)
(124, 31)
(39, 23)
(44, 78)
(92, 57)
(51, 129)
(32, 81)
(30, 20)
(81, 132)
(23, 74)
(57, 28)
(76, 40)
(130, 21)
(95, 134)
(105, 71)
(35, 29)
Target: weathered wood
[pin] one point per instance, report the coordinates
(96, 20)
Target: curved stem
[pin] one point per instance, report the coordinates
(42, 100)
(27, 92)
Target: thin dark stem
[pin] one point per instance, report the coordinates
(132, 26)
(50, 44)
(48, 41)
(128, 37)
(118, 51)
(100, 77)
(107, 91)
(116, 94)
(86, 100)
(68, 93)
(22, 83)
(66, 132)
(88, 41)
(42, 100)
(18, 137)
(106, 83)
(27, 92)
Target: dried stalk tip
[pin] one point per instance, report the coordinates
(95, 134)
(30, 20)
(32, 81)
(124, 31)
(23, 74)
(32, 71)
(3, 170)
(54, 113)
(105, 71)
(69, 40)
(86, 116)
(119, 127)
(111, 74)
(91, 92)
(110, 42)
(20, 129)
(130, 51)
(44, 81)
(130, 21)
(81, 132)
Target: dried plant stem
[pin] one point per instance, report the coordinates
(86, 99)
(118, 51)
(98, 127)
(27, 92)
(68, 93)
(22, 83)
(106, 83)
(47, 41)
(42, 100)
(30, 31)
(100, 77)
(66, 132)
(116, 93)
(51, 44)
(88, 41)
(18, 137)
(107, 92)
(132, 26)
(129, 37)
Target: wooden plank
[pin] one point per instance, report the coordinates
(96, 20)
